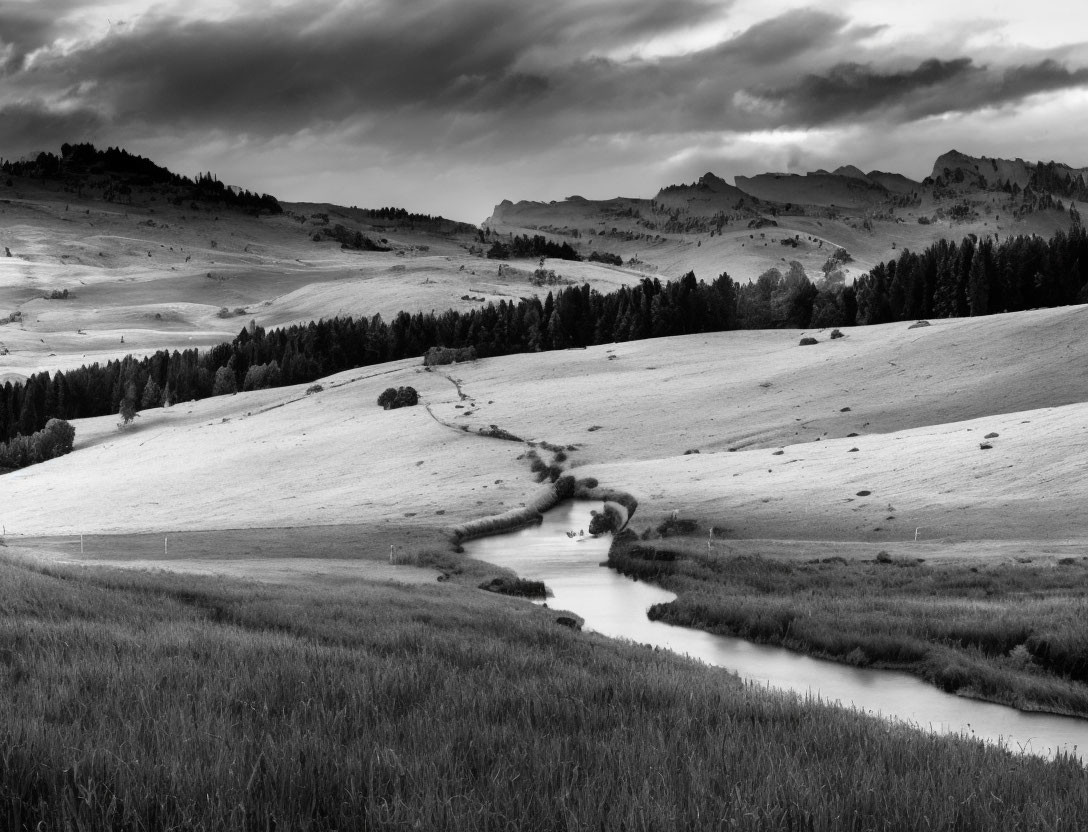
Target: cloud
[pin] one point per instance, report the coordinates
(563, 88)
(29, 127)
(932, 87)
(27, 26)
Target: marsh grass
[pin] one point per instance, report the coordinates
(1007, 632)
(155, 701)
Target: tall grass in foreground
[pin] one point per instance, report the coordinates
(136, 701)
(1008, 632)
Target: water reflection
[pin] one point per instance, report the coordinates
(616, 606)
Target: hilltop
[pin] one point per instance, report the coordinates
(105, 254)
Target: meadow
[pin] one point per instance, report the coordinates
(1001, 629)
(152, 701)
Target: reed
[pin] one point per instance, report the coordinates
(1007, 632)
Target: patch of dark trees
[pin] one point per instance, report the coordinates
(348, 238)
(974, 277)
(946, 280)
(401, 218)
(536, 246)
(115, 173)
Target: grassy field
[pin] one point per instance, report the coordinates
(139, 701)
(1002, 629)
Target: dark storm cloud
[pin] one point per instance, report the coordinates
(26, 127)
(26, 26)
(852, 90)
(477, 78)
(297, 66)
(787, 37)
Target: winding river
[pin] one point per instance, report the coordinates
(615, 606)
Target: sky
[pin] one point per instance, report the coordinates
(450, 106)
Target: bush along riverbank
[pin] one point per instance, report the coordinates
(558, 486)
(531, 513)
(1006, 632)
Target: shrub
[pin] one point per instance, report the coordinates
(448, 355)
(836, 333)
(263, 376)
(518, 587)
(612, 518)
(314, 388)
(675, 526)
(606, 258)
(225, 382)
(564, 487)
(394, 397)
(406, 397)
(495, 432)
(808, 342)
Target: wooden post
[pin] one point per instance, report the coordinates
(391, 559)
(165, 547)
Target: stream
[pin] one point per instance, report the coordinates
(616, 606)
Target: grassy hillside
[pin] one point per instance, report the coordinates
(920, 401)
(160, 275)
(154, 701)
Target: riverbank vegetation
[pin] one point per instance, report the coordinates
(562, 488)
(155, 701)
(1005, 631)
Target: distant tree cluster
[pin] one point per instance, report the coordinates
(348, 238)
(396, 397)
(403, 219)
(536, 246)
(55, 439)
(606, 258)
(116, 172)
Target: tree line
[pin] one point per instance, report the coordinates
(574, 316)
(117, 171)
(947, 279)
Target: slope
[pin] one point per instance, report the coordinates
(920, 400)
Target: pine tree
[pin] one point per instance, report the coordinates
(127, 409)
(152, 396)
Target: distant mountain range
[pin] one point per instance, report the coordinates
(845, 189)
